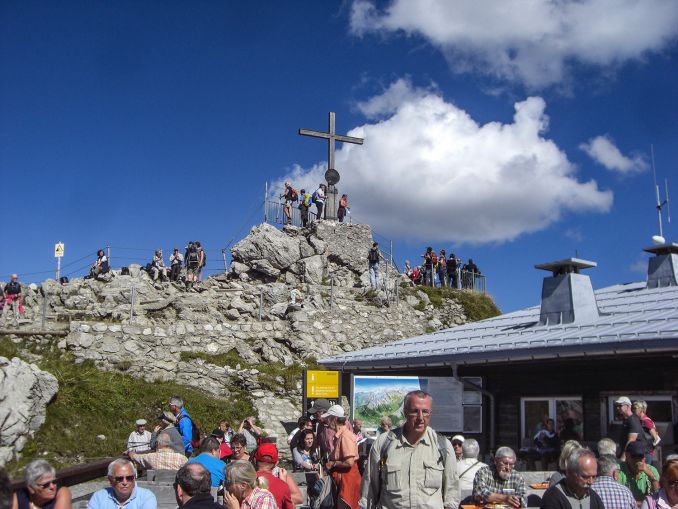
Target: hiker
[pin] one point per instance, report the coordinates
(373, 263)
(442, 269)
(202, 260)
(176, 261)
(210, 452)
(343, 206)
(304, 204)
(290, 195)
(140, 439)
(12, 299)
(183, 423)
(192, 263)
(319, 200)
(101, 265)
(158, 267)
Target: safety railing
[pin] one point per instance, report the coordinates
(274, 213)
(460, 280)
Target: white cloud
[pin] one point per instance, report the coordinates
(574, 234)
(429, 171)
(533, 42)
(603, 151)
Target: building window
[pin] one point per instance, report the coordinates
(566, 411)
(659, 407)
(472, 401)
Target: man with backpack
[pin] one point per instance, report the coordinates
(192, 261)
(318, 198)
(290, 195)
(411, 466)
(373, 261)
(184, 424)
(304, 204)
(12, 299)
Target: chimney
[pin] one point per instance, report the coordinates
(662, 268)
(567, 296)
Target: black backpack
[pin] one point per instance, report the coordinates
(192, 258)
(373, 255)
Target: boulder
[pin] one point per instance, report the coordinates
(267, 242)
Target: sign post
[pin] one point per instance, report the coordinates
(321, 384)
(58, 254)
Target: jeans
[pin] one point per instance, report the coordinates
(374, 274)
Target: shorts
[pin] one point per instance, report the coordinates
(192, 270)
(288, 203)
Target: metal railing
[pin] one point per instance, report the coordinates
(462, 280)
(274, 213)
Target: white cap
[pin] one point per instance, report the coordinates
(623, 401)
(334, 411)
(141, 422)
(458, 437)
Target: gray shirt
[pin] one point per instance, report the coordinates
(177, 443)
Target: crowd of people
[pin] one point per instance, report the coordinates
(440, 271)
(304, 200)
(411, 466)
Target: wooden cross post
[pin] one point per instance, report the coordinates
(331, 175)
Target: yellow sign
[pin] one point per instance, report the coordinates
(322, 384)
(58, 250)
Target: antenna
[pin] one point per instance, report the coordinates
(659, 239)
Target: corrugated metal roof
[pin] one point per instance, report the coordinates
(632, 319)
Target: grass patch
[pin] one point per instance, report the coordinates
(91, 402)
(421, 306)
(477, 306)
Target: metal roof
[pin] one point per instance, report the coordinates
(633, 319)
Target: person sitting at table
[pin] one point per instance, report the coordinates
(469, 464)
(499, 483)
(568, 448)
(667, 496)
(42, 490)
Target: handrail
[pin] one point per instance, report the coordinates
(77, 474)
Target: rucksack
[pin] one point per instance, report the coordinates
(434, 259)
(314, 197)
(195, 430)
(192, 258)
(327, 493)
(442, 262)
(204, 258)
(373, 256)
(293, 194)
(307, 199)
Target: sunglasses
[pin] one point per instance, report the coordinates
(47, 484)
(456, 442)
(128, 478)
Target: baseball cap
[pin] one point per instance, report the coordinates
(267, 452)
(167, 416)
(334, 411)
(623, 401)
(141, 422)
(319, 405)
(636, 448)
(458, 437)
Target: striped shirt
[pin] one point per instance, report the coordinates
(613, 494)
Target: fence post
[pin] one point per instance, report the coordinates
(132, 298)
(44, 311)
(331, 292)
(261, 303)
(108, 255)
(266, 203)
(397, 293)
(223, 255)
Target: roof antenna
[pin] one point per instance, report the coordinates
(659, 239)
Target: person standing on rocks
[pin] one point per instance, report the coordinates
(192, 262)
(319, 200)
(183, 423)
(343, 206)
(304, 204)
(176, 261)
(12, 299)
(290, 195)
(373, 260)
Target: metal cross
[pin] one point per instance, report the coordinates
(331, 137)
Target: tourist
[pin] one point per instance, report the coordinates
(192, 488)
(343, 461)
(42, 490)
(164, 458)
(210, 451)
(123, 491)
(225, 426)
(304, 204)
(12, 299)
(373, 257)
(574, 491)
(225, 451)
(499, 483)
(613, 494)
(632, 428)
(431, 480)
(202, 260)
(101, 265)
(430, 261)
(642, 479)
(358, 429)
(452, 271)
(239, 447)
(324, 435)
(640, 408)
(192, 263)
(606, 446)
(385, 425)
(319, 201)
(442, 269)
(183, 423)
(305, 455)
(343, 206)
(568, 448)
(547, 443)
(303, 423)
(468, 464)
(457, 443)
(166, 423)
(252, 432)
(158, 268)
(266, 458)
(468, 274)
(667, 496)
(290, 195)
(176, 261)
(140, 439)
(243, 490)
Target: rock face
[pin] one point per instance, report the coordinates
(25, 392)
(290, 295)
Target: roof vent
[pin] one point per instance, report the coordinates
(567, 296)
(662, 269)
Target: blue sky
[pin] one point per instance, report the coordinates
(507, 134)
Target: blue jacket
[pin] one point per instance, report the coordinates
(185, 425)
(214, 466)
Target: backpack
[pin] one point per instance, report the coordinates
(373, 256)
(327, 493)
(294, 195)
(314, 197)
(192, 258)
(434, 259)
(204, 258)
(442, 263)
(195, 430)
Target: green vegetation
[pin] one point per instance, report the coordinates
(92, 402)
(268, 371)
(477, 306)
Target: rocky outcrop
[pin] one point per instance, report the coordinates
(25, 391)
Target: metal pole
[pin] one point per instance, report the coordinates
(223, 255)
(266, 203)
(331, 292)
(58, 272)
(131, 303)
(261, 303)
(108, 255)
(397, 295)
